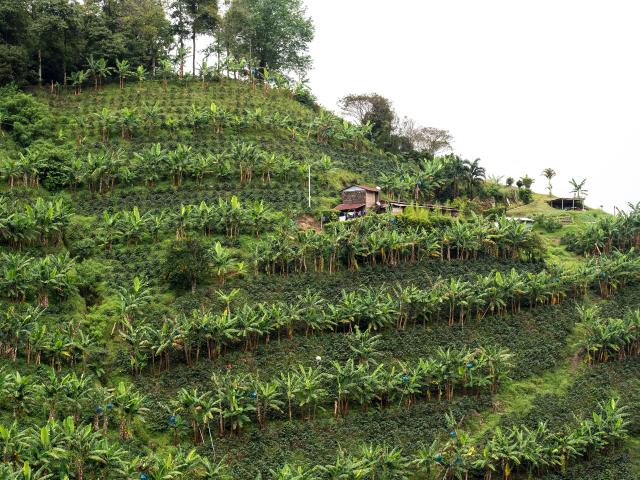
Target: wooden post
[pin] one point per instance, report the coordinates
(309, 185)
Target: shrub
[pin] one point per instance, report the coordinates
(548, 223)
(24, 117)
(186, 263)
(526, 195)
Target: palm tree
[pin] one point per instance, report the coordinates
(475, 175)
(128, 121)
(128, 405)
(45, 449)
(77, 79)
(151, 161)
(191, 403)
(166, 69)
(577, 188)
(141, 75)
(151, 115)
(80, 444)
(123, 69)
(19, 392)
(364, 345)
(427, 180)
(309, 394)
(549, 173)
(99, 70)
(105, 120)
(526, 181)
(132, 302)
(223, 263)
(12, 439)
(268, 396)
(92, 70)
(52, 276)
(54, 391)
(180, 59)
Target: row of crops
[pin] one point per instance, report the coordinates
(101, 171)
(384, 240)
(285, 198)
(174, 96)
(621, 232)
(128, 123)
(452, 300)
(65, 447)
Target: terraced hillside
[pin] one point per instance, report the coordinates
(163, 313)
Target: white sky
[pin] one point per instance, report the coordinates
(523, 85)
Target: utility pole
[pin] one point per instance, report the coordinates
(309, 183)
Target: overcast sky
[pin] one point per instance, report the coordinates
(523, 85)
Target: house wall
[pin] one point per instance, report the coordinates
(355, 196)
(371, 199)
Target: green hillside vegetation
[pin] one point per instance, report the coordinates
(172, 307)
(553, 225)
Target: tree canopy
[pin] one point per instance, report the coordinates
(43, 41)
(275, 32)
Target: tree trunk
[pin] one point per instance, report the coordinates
(40, 67)
(193, 53)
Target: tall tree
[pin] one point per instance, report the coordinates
(577, 188)
(277, 33)
(194, 17)
(549, 173)
(372, 109)
(55, 24)
(146, 31)
(14, 41)
(429, 140)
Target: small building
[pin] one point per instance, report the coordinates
(362, 194)
(392, 206)
(443, 209)
(567, 203)
(358, 200)
(524, 220)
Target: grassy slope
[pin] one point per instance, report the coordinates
(555, 251)
(518, 398)
(234, 97)
(547, 379)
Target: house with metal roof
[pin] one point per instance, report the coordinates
(359, 199)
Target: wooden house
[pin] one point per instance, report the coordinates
(359, 199)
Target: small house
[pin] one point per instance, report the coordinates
(358, 200)
(567, 203)
(361, 194)
(393, 206)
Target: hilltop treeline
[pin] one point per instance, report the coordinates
(44, 41)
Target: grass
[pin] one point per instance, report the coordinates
(555, 252)
(633, 444)
(518, 397)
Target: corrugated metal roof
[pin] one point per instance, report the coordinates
(348, 206)
(368, 188)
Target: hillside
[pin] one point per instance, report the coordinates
(157, 296)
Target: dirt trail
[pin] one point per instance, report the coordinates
(306, 222)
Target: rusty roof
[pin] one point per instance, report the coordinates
(343, 207)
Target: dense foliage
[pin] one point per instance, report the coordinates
(621, 232)
(174, 305)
